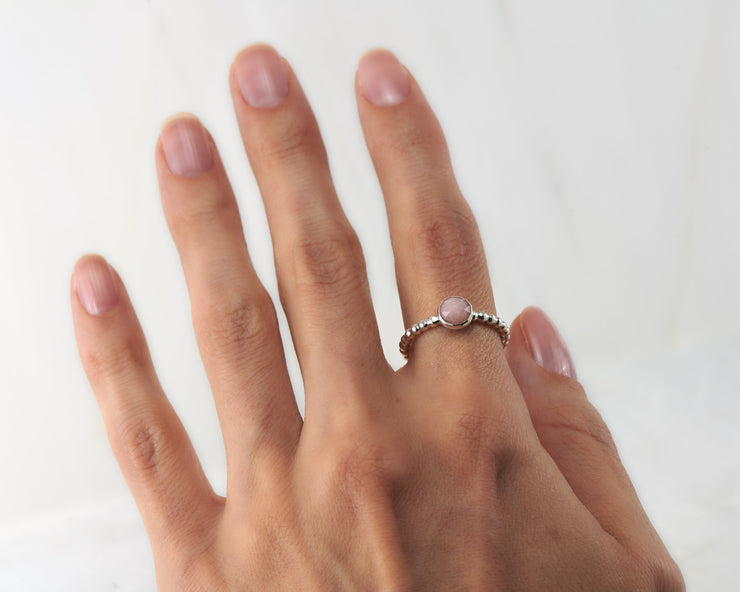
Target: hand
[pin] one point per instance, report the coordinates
(473, 467)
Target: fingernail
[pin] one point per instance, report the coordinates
(383, 81)
(545, 344)
(261, 76)
(96, 287)
(186, 146)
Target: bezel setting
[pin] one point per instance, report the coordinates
(459, 325)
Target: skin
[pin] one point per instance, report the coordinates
(432, 477)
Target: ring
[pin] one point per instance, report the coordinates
(454, 312)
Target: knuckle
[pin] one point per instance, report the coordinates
(297, 139)
(423, 149)
(667, 577)
(484, 442)
(358, 468)
(231, 327)
(115, 361)
(144, 442)
(476, 435)
(657, 572)
(575, 424)
(446, 239)
(332, 266)
(209, 211)
(199, 573)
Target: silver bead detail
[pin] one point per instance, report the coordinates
(410, 334)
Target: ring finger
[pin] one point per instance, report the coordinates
(436, 243)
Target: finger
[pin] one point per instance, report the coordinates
(436, 244)
(572, 431)
(234, 319)
(318, 259)
(158, 462)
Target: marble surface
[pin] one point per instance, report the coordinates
(597, 143)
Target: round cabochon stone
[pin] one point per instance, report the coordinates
(455, 310)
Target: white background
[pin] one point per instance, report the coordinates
(596, 141)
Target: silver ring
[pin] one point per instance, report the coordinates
(454, 312)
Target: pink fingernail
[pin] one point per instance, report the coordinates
(261, 76)
(95, 285)
(186, 147)
(383, 81)
(545, 343)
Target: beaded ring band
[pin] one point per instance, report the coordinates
(454, 312)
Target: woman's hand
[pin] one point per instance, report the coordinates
(470, 468)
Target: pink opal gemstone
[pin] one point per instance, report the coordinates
(455, 310)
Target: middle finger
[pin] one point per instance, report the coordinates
(318, 259)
